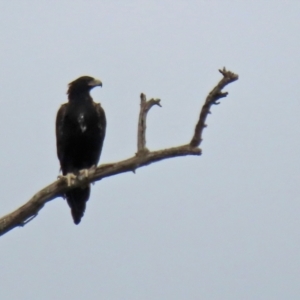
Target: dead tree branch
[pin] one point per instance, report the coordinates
(145, 107)
(210, 100)
(143, 157)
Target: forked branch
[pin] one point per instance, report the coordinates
(143, 157)
(145, 107)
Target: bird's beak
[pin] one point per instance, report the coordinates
(95, 82)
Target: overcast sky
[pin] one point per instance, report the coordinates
(224, 225)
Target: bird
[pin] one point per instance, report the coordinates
(80, 132)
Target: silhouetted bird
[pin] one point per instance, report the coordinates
(80, 132)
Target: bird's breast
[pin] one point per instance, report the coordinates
(82, 122)
(81, 119)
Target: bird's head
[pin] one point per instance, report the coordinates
(83, 84)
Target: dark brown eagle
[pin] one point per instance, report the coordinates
(80, 132)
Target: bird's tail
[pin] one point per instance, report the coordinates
(77, 199)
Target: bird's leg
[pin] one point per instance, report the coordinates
(84, 174)
(93, 168)
(70, 178)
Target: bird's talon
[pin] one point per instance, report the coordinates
(85, 173)
(70, 177)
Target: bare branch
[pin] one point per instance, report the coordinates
(145, 107)
(25, 213)
(144, 157)
(211, 99)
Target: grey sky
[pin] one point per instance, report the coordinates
(221, 226)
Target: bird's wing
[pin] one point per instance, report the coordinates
(59, 130)
(101, 125)
(101, 119)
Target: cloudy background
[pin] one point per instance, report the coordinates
(224, 225)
